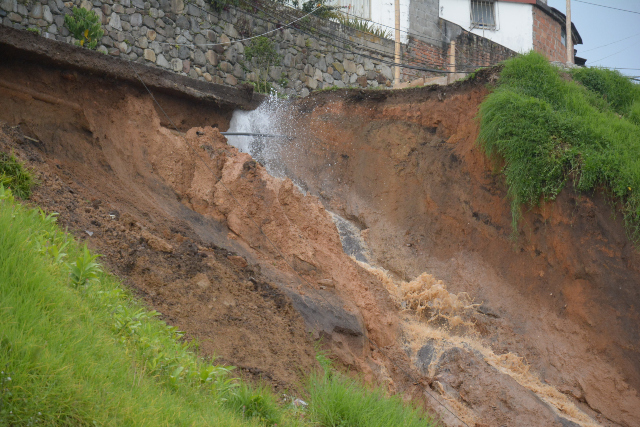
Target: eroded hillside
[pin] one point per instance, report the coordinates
(538, 331)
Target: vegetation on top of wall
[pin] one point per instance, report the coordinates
(263, 52)
(550, 129)
(85, 26)
(363, 26)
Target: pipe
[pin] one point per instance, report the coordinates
(263, 135)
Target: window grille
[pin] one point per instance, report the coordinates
(483, 14)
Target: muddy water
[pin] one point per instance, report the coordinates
(523, 332)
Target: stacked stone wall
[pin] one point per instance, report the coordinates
(189, 38)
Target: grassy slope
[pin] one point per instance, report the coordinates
(549, 128)
(76, 349)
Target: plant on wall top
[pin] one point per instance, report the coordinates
(85, 26)
(263, 51)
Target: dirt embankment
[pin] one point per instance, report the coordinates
(167, 210)
(405, 168)
(188, 222)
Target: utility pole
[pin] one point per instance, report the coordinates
(397, 56)
(569, 39)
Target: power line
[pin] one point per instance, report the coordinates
(608, 7)
(609, 44)
(277, 249)
(609, 56)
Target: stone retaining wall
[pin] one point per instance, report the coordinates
(191, 39)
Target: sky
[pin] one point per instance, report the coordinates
(600, 26)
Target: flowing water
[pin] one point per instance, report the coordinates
(434, 320)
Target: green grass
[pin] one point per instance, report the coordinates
(77, 349)
(15, 176)
(338, 401)
(550, 129)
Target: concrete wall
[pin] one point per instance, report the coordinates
(514, 22)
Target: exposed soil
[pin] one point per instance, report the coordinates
(547, 336)
(405, 167)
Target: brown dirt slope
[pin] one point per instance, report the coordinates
(405, 167)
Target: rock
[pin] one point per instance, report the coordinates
(322, 65)
(202, 281)
(362, 81)
(207, 76)
(327, 78)
(238, 261)
(311, 82)
(138, 3)
(212, 57)
(238, 72)
(368, 65)
(386, 71)
(9, 5)
(149, 21)
(371, 75)
(143, 42)
(36, 11)
(177, 6)
(226, 67)
(14, 17)
(380, 78)
(352, 78)
(288, 60)
(136, 20)
(349, 66)
(102, 49)
(150, 55)
(231, 80)
(124, 48)
(151, 35)
(199, 57)
(182, 22)
(304, 92)
(199, 41)
(162, 62)
(360, 70)
(117, 8)
(318, 74)
(114, 21)
(224, 39)
(338, 66)
(339, 83)
(86, 4)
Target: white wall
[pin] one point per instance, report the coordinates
(382, 12)
(514, 22)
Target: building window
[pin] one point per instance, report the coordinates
(483, 14)
(563, 36)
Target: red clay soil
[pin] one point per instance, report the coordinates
(181, 241)
(405, 167)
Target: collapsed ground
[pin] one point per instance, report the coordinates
(129, 187)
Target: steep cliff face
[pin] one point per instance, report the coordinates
(537, 330)
(405, 168)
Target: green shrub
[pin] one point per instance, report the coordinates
(15, 176)
(85, 26)
(549, 130)
(262, 50)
